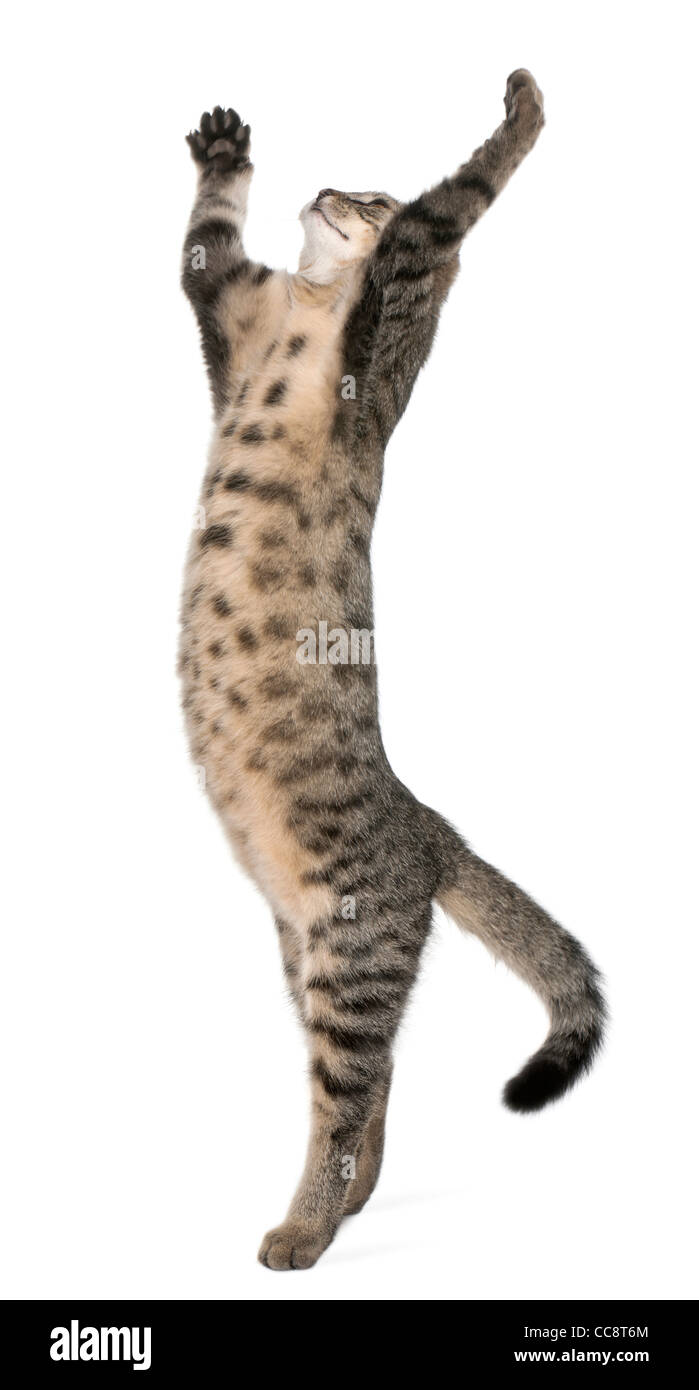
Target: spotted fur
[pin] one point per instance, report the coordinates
(310, 373)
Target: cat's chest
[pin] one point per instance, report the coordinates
(286, 381)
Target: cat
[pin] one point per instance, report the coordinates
(310, 373)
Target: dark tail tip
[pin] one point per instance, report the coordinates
(539, 1082)
(555, 1068)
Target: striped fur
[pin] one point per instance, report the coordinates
(310, 373)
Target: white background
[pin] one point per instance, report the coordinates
(535, 593)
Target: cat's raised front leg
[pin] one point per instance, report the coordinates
(416, 260)
(213, 258)
(485, 174)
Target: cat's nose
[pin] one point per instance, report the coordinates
(326, 192)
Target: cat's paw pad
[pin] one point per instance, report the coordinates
(222, 142)
(293, 1245)
(523, 100)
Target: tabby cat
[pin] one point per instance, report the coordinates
(310, 373)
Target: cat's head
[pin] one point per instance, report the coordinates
(342, 229)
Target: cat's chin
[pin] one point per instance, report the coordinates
(320, 265)
(320, 270)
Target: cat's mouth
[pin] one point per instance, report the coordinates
(315, 207)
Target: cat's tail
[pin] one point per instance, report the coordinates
(548, 958)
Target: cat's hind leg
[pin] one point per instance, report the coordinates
(291, 949)
(362, 1170)
(357, 977)
(343, 1096)
(369, 1156)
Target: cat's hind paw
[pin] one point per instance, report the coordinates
(293, 1245)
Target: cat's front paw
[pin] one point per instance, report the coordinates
(293, 1245)
(523, 100)
(222, 142)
